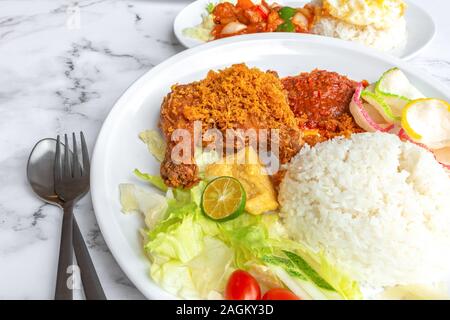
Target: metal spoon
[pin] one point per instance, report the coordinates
(40, 177)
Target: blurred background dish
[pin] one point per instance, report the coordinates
(394, 27)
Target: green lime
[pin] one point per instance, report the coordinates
(223, 199)
(286, 27)
(286, 13)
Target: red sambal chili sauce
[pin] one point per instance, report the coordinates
(320, 100)
(246, 17)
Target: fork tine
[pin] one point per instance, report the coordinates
(85, 154)
(57, 163)
(76, 167)
(66, 169)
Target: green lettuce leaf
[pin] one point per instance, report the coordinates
(300, 262)
(201, 253)
(186, 243)
(155, 143)
(309, 272)
(210, 7)
(343, 283)
(247, 236)
(300, 277)
(151, 204)
(286, 264)
(156, 181)
(182, 243)
(323, 279)
(212, 267)
(175, 277)
(186, 196)
(176, 214)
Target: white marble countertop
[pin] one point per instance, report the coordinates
(63, 64)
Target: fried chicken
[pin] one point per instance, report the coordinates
(237, 97)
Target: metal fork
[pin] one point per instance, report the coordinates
(71, 183)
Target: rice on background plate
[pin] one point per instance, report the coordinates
(380, 25)
(378, 207)
(386, 39)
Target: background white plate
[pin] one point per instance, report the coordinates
(421, 28)
(118, 150)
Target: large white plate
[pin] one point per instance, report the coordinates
(118, 150)
(421, 28)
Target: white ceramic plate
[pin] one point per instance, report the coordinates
(118, 150)
(421, 28)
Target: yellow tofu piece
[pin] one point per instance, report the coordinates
(246, 167)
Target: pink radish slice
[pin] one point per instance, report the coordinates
(365, 115)
(441, 155)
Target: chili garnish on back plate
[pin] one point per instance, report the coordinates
(246, 17)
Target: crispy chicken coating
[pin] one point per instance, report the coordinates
(237, 97)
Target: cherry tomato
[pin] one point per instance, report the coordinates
(242, 286)
(279, 294)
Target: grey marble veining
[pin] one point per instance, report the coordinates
(62, 67)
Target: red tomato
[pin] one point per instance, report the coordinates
(262, 11)
(242, 286)
(279, 294)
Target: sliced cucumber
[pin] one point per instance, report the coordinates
(369, 96)
(396, 90)
(366, 115)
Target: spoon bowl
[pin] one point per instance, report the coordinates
(40, 171)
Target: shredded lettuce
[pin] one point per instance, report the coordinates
(343, 283)
(203, 30)
(136, 199)
(299, 262)
(284, 263)
(302, 275)
(309, 272)
(210, 7)
(188, 240)
(182, 243)
(245, 242)
(155, 143)
(192, 256)
(185, 196)
(211, 268)
(340, 281)
(295, 284)
(175, 278)
(247, 236)
(156, 181)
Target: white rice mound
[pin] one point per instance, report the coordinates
(393, 37)
(379, 208)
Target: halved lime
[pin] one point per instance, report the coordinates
(223, 199)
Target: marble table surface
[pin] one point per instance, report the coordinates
(63, 64)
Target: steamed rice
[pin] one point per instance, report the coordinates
(393, 37)
(378, 207)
